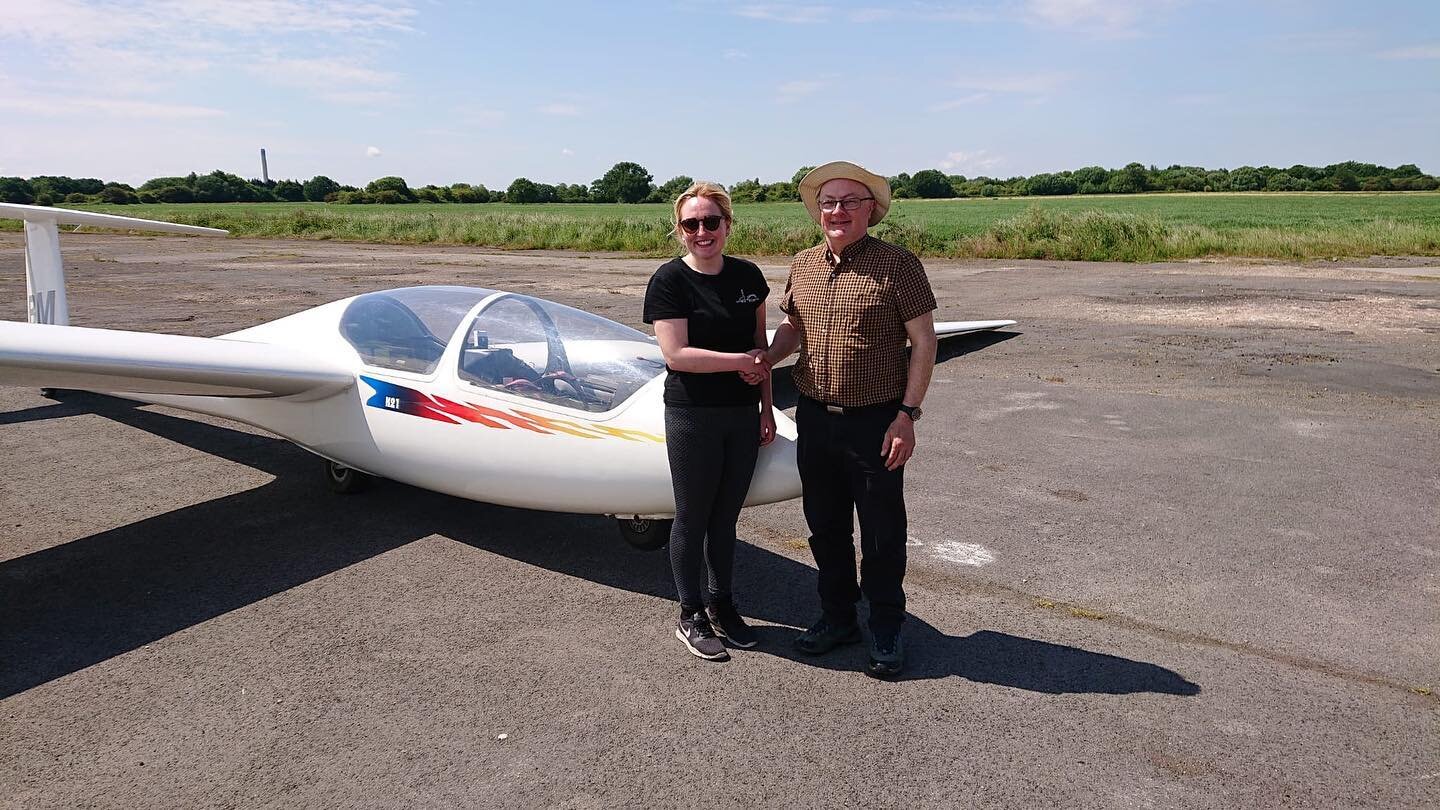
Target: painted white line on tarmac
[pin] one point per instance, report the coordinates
(964, 553)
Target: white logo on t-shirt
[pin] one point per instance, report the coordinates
(752, 298)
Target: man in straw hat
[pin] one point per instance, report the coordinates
(849, 306)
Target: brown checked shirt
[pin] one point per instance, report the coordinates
(851, 312)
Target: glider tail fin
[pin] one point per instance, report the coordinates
(44, 270)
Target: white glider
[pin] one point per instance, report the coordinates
(482, 394)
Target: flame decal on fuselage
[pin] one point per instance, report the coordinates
(391, 397)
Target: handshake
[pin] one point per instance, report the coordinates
(754, 366)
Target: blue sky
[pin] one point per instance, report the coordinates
(440, 92)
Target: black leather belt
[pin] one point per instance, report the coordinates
(857, 410)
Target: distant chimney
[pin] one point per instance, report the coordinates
(264, 168)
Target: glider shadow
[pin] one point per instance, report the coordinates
(74, 404)
(77, 604)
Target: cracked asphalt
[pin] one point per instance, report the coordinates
(1174, 543)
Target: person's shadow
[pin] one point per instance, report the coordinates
(85, 601)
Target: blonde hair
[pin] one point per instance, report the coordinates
(713, 192)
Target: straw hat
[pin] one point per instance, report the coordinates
(844, 169)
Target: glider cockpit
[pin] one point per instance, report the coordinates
(514, 343)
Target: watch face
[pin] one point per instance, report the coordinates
(912, 412)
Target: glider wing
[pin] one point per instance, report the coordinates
(947, 328)
(50, 356)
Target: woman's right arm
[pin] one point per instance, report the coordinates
(673, 334)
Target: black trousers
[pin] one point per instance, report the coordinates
(712, 459)
(842, 472)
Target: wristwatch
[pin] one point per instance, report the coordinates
(912, 411)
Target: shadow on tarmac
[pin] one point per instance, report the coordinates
(74, 605)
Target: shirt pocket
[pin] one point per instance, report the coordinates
(868, 321)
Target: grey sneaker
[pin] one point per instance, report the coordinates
(699, 638)
(825, 635)
(887, 656)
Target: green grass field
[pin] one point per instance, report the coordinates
(1145, 227)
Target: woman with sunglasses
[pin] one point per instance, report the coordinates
(709, 315)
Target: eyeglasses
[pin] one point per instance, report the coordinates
(849, 204)
(692, 225)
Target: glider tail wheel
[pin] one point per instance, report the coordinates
(646, 534)
(344, 480)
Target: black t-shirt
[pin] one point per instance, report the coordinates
(720, 311)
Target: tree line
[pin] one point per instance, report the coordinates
(628, 182)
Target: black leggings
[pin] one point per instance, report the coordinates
(712, 457)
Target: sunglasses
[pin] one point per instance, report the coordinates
(692, 225)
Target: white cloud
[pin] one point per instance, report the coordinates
(1333, 40)
(1116, 19)
(956, 103)
(871, 15)
(964, 15)
(566, 110)
(473, 117)
(1414, 52)
(91, 22)
(341, 81)
(1024, 84)
(807, 14)
(786, 13)
(567, 152)
(260, 16)
(319, 72)
(372, 151)
(59, 105)
(360, 98)
(72, 22)
(1199, 99)
(794, 91)
(734, 54)
(980, 160)
(143, 47)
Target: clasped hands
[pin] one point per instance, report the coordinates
(755, 368)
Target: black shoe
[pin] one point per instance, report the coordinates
(825, 635)
(726, 622)
(699, 638)
(887, 656)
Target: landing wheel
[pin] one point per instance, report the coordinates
(344, 480)
(645, 534)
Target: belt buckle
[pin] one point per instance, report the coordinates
(835, 409)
